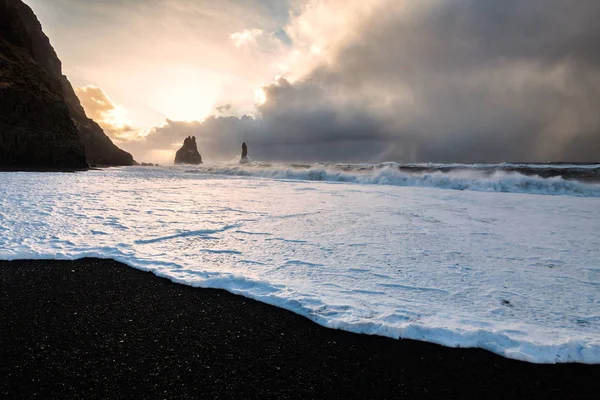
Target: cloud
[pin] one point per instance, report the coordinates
(289, 127)
(467, 80)
(245, 37)
(224, 108)
(111, 117)
(421, 80)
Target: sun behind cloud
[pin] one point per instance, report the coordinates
(110, 116)
(260, 96)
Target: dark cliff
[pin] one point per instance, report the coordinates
(41, 120)
(36, 128)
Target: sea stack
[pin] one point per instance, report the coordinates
(188, 153)
(244, 158)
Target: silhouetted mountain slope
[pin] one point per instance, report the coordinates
(42, 122)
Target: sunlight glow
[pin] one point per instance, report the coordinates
(181, 103)
(185, 94)
(164, 157)
(117, 117)
(260, 97)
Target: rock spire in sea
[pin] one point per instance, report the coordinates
(188, 153)
(244, 158)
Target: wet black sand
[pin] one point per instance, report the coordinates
(33, 168)
(99, 329)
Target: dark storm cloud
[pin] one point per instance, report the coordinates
(486, 80)
(290, 128)
(457, 80)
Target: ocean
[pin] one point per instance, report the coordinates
(504, 257)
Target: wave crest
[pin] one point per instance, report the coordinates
(473, 179)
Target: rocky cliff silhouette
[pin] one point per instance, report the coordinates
(42, 123)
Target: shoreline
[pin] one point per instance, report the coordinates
(96, 328)
(42, 169)
(16, 168)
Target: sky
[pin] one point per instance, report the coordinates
(337, 80)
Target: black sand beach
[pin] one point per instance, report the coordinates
(99, 329)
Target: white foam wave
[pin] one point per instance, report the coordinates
(538, 166)
(517, 275)
(390, 174)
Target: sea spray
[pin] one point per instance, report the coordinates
(480, 178)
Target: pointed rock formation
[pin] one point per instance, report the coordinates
(244, 159)
(188, 153)
(41, 120)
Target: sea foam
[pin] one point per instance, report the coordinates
(516, 274)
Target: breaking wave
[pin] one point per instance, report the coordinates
(508, 178)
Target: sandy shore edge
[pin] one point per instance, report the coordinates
(99, 329)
